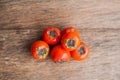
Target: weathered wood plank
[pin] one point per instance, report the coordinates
(22, 22)
(41, 13)
(16, 61)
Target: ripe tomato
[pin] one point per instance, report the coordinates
(81, 52)
(59, 54)
(69, 29)
(51, 35)
(39, 50)
(70, 41)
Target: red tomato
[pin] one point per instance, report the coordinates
(81, 52)
(70, 41)
(51, 35)
(69, 29)
(59, 54)
(39, 50)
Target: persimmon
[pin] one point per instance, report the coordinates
(59, 54)
(81, 53)
(51, 35)
(69, 29)
(40, 50)
(70, 41)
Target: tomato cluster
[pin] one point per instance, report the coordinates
(66, 44)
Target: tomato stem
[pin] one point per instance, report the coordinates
(70, 43)
(81, 50)
(41, 51)
(52, 33)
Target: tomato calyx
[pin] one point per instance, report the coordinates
(42, 52)
(52, 34)
(81, 50)
(70, 43)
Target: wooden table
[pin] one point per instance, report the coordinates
(22, 22)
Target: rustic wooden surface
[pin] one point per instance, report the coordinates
(22, 21)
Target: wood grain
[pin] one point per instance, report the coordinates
(22, 22)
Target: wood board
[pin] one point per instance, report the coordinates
(22, 22)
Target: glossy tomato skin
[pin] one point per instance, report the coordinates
(36, 47)
(70, 36)
(59, 54)
(51, 35)
(81, 53)
(69, 29)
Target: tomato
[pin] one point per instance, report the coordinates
(59, 54)
(69, 29)
(81, 52)
(51, 35)
(70, 41)
(39, 50)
